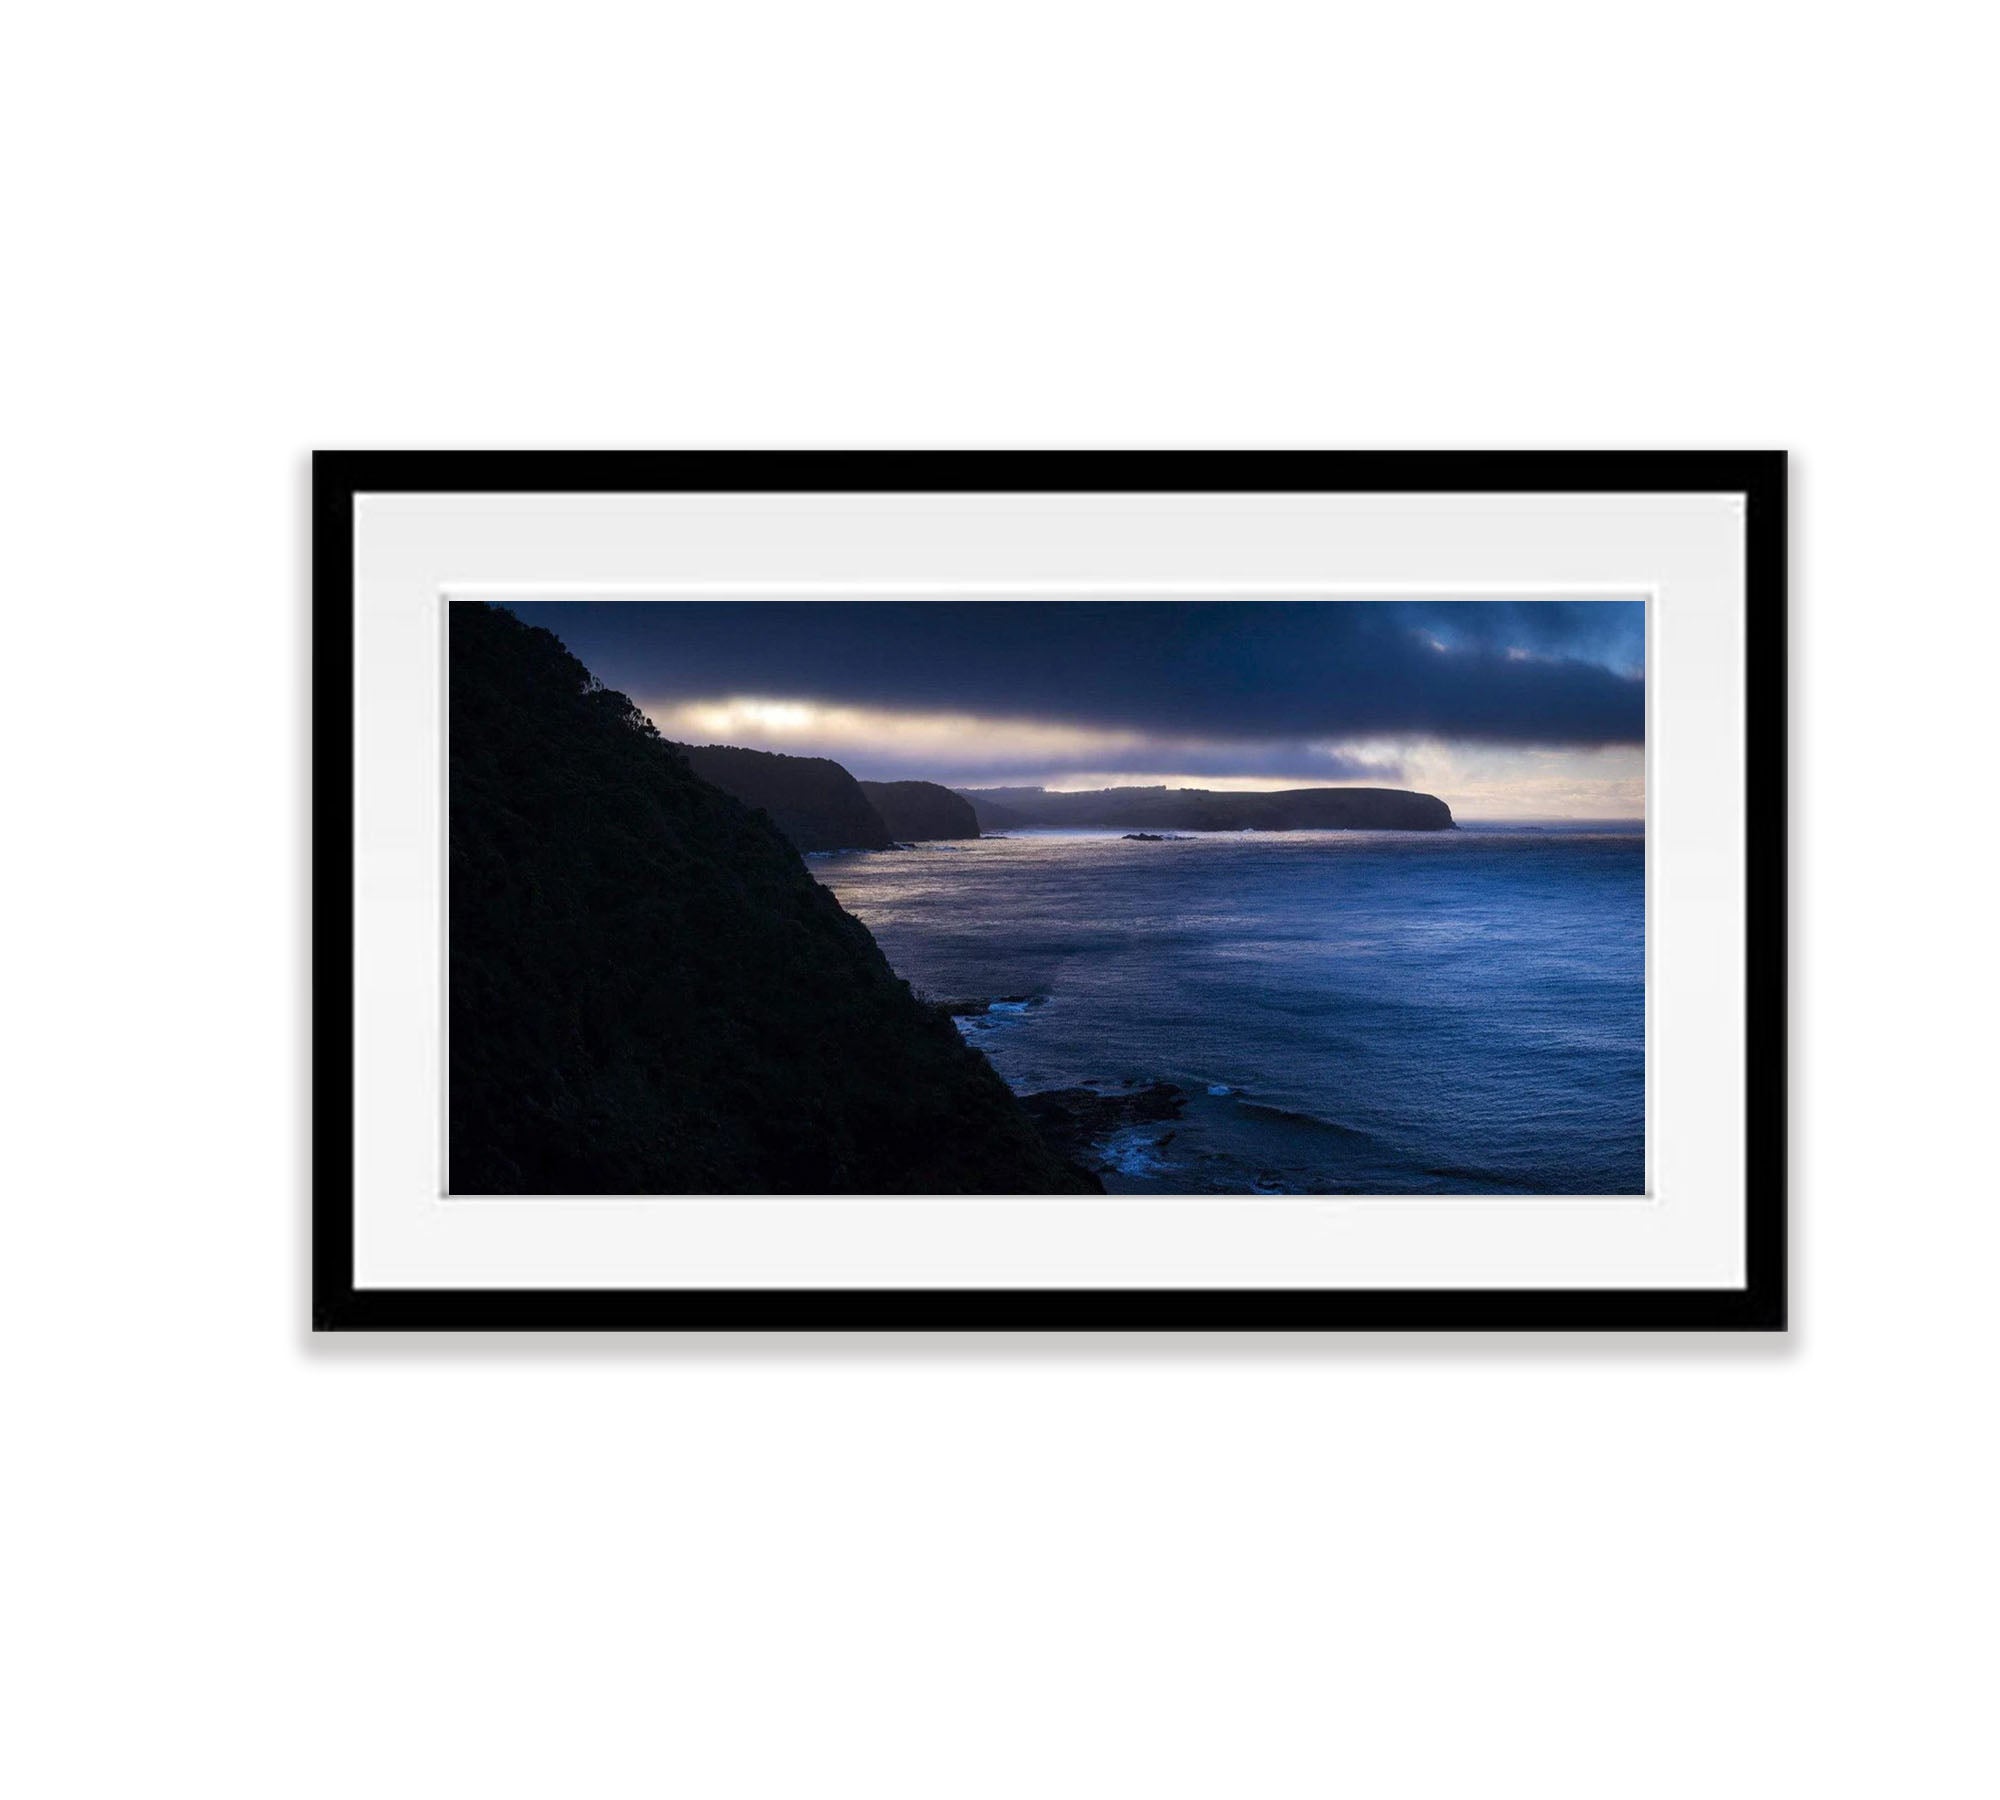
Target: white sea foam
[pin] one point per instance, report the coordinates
(1134, 1151)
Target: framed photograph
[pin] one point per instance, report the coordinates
(1066, 891)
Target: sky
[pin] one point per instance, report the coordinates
(1505, 709)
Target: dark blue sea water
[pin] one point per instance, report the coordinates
(1354, 1012)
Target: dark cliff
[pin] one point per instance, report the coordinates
(992, 816)
(649, 991)
(815, 802)
(1206, 809)
(918, 810)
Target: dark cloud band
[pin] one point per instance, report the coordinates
(1248, 672)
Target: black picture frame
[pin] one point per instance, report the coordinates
(338, 477)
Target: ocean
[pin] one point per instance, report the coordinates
(1458, 1012)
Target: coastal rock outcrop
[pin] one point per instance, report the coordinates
(1074, 1121)
(811, 799)
(921, 810)
(649, 992)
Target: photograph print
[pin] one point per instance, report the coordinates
(1056, 896)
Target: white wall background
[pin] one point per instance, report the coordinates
(239, 1564)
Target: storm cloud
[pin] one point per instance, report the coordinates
(1299, 677)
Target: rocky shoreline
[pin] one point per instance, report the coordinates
(1074, 1122)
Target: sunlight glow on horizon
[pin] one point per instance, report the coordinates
(860, 727)
(1477, 780)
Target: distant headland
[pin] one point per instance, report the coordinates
(921, 811)
(1208, 809)
(819, 806)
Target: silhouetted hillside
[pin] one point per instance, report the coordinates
(1206, 809)
(651, 994)
(921, 810)
(815, 802)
